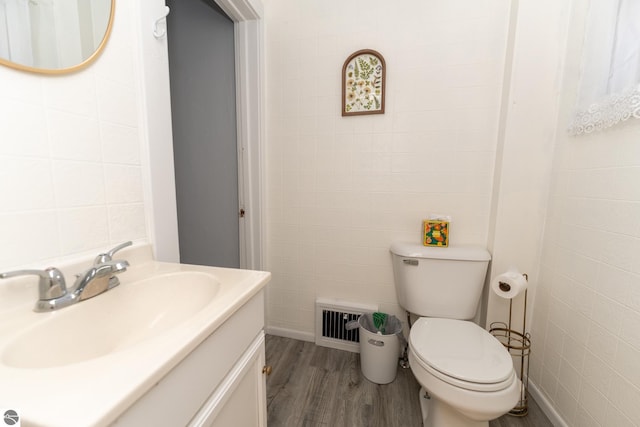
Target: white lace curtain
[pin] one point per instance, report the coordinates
(610, 82)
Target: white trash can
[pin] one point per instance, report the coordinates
(379, 352)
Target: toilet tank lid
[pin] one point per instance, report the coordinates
(461, 253)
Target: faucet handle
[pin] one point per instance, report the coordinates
(108, 256)
(51, 284)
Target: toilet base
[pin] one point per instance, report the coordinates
(436, 413)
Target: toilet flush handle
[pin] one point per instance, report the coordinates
(410, 261)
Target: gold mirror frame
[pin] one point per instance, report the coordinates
(76, 67)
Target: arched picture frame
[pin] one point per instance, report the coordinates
(363, 83)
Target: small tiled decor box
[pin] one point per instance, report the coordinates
(435, 232)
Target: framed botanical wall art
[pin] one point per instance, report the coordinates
(363, 76)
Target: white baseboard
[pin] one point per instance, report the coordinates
(290, 333)
(546, 406)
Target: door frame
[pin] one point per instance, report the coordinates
(247, 17)
(156, 133)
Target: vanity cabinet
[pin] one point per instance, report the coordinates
(220, 384)
(240, 400)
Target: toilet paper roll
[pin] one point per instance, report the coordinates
(509, 285)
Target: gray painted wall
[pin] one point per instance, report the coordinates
(201, 62)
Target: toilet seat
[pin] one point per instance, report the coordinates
(461, 353)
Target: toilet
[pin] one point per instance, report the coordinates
(466, 374)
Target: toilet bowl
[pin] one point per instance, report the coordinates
(466, 372)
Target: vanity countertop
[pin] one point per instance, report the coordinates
(94, 389)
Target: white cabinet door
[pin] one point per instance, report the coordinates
(241, 400)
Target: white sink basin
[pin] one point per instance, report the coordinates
(107, 352)
(113, 321)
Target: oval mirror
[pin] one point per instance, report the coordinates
(53, 36)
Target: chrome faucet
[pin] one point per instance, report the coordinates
(98, 278)
(53, 293)
(105, 258)
(51, 285)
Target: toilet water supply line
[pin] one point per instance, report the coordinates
(404, 360)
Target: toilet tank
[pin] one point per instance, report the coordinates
(439, 282)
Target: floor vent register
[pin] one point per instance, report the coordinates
(331, 317)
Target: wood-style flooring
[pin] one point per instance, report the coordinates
(318, 386)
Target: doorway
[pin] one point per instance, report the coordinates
(201, 49)
(156, 128)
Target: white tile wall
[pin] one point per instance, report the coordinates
(340, 190)
(70, 174)
(26, 121)
(592, 285)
